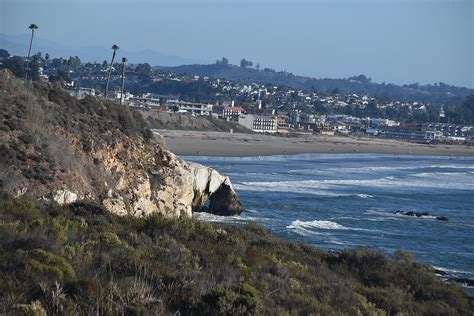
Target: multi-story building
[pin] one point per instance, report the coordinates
(232, 113)
(294, 117)
(190, 107)
(259, 123)
(283, 126)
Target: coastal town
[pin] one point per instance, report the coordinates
(274, 109)
(261, 108)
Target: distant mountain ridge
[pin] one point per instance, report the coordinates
(18, 45)
(436, 93)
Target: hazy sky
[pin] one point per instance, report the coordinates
(391, 41)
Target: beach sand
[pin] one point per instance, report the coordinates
(197, 143)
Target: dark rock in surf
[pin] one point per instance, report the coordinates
(421, 215)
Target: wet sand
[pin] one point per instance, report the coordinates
(197, 143)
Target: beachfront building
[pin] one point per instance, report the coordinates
(374, 122)
(259, 123)
(232, 113)
(191, 108)
(150, 100)
(408, 132)
(433, 135)
(283, 125)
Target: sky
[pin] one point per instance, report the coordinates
(392, 41)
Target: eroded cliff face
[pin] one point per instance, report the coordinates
(59, 148)
(211, 185)
(163, 184)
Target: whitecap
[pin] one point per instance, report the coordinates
(297, 224)
(452, 166)
(209, 217)
(324, 187)
(365, 196)
(453, 271)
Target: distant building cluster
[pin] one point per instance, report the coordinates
(297, 122)
(269, 108)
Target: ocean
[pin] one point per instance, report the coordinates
(337, 201)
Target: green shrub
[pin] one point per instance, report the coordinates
(42, 263)
(117, 265)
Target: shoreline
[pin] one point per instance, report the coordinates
(222, 144)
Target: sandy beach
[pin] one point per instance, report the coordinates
(197, 143)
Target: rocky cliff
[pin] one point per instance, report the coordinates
(56, 147)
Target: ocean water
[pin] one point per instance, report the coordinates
(337, 201)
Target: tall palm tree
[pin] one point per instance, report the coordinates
(32, 27)
(114, 48)
(124, 61)
(46, 60)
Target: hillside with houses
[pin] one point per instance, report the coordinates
(265, 103)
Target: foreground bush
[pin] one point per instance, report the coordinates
(82, 260)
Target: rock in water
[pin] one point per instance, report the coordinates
(211, 185)
(421, 215)
(225, 202)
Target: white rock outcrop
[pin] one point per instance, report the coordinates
(64, 197)
(166, 185)
(210, 184)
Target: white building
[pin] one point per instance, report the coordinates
(190, 107)
(373, 122)
(258, 123)
(232, 112)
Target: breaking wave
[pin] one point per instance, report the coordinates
(297, 224)
(375, 169)
(243, 218)
(321, 187)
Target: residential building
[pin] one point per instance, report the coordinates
(283, 126)
(294, 117)
(232, 113)
(259, 123)
(190, 107)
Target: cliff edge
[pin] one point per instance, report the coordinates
(63, 149)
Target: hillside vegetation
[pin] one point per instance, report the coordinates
(80, 259)
(48, 138)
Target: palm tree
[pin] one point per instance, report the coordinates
(124, 61)
(46, 60)
(32, 27)
(114, 48)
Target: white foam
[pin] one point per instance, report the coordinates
(452, 166)
(453, 271)
(324, 187)
(297, 224)
(209, 217)
(304, 231)
(445, 175)
(375, 169)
